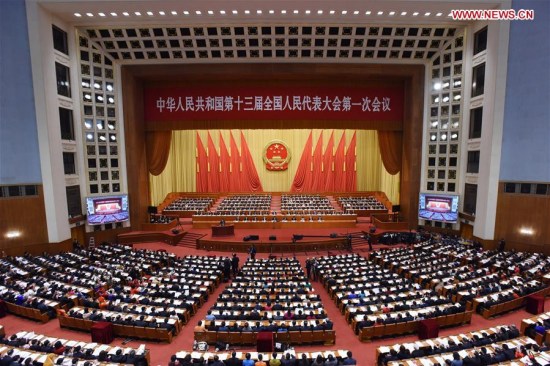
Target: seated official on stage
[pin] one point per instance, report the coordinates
(306, 204)
(245, 205)
(352, 204)
(161, 219)
(195, 204)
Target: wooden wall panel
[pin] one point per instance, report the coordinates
(106, 235)
(135, 77)
(529, 211)
(24, 214)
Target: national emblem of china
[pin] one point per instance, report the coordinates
(276, 156)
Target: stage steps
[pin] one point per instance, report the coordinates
(214, 207)
(337, 207)
(358, 243)
(275, 203)
(189, 240)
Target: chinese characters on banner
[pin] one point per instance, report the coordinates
(174, 104)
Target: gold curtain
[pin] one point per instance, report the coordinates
(180, 172)
(157, 150)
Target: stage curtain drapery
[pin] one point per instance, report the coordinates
(202, 167)
(213, 166)
(180, 173)
(391, 143)
(339, 166)
(328, 169)
(225, 166)
(158, 150)
(249, 174)
(302, 175)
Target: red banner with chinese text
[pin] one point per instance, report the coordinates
(273, 103)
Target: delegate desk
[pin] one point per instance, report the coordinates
(223, 230)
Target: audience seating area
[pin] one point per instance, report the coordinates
(378, 302)
(360, 205)
(245, 205)
(38, 347)
(306, 204)
(194, 204)
(268, 295)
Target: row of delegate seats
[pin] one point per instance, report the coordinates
(353, 204)
(442, 345)
(306, 204)
(71, 349)
(195, 204)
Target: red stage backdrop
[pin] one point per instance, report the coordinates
(384, 104)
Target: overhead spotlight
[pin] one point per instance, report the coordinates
(150, 13)
(137, 13)
(126, 14)
(89, 137)
(403, 13)
(380, 13)
(198, 12)
(162, 13)
(78, 15)
(296, 11)
(446, 84)
(439, 14)
(235, 12)
(445, 99)
(87, 96)
(99, 126)
(101, 14)
(444, 126)
(258, 12)
(13, 234)
(454, 136)
(272, 11)
(434, 123)
(222, 12)
(433, 137)
(113, 137)
(185, 12)
(173, 12)
(87, 124)
(526, 231)
(111, 126)
(392, 13)
(457, 83)
(368, 12)
(90, 14)
(437, 86)
(444, 137)
(283, 11)
(344, 12)
(97, 86)
(415, 13)
(114, 14)
(109, 87)
(436, 100)
(427, 14)
(210, 12)
(308, 11)
(457, 97)
(356, 12)
(247, 11)
(111, 100)
(319, 12)
(102, 138)
(332, 12)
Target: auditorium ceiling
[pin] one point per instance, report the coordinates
(135, 32)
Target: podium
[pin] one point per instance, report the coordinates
(534, 304)
(427, 329)
(226, 230)
(102, 332)
(264, 342)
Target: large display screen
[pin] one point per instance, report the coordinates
(438, 207)
(106, 210)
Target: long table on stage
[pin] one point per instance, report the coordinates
(223, 230)
(273, 246)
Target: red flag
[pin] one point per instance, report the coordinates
(328, 169)
(202, 167)
(339, 162)
(235, 167)
(213, 166)
(225, 161)
(316, 167)
(303, 172)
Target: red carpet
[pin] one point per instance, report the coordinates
(365, 353)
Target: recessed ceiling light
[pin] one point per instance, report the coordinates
(235, 12)
(356, 12)
(114, 14)
(162, 13)
(272, 11)
(403, 13)
(222, 12)
(319, 12)
(392, 13)
(368, 12)
(439, 14)
(101, 14)
(126, 14)
(296, 11)
(332, 12)
(89, 14)
(247, 11)
(344, 12)
(150, 13)
(380, 13)
(185, 12)
(137, 13)
(173, 12)
(450, 14)
(283, 11)
(258, 11)
(308, 11)
(77, 15)
(198, 12)
(427, 14)
(210, 12)
(415, 13)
